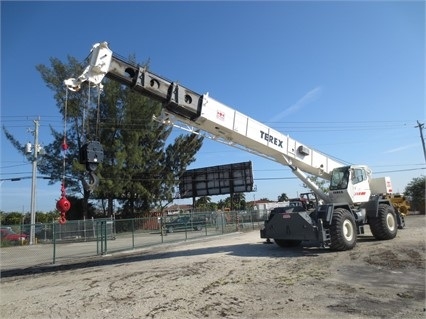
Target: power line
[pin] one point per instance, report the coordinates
(15, 179)
(16, 165)
(28, 117)
(401, 170)
(254, 178)
(15, 173)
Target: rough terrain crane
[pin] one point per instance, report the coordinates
(355, 198)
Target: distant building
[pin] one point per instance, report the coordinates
(263, 208)
(177, 209)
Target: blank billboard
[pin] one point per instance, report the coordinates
(217, 180)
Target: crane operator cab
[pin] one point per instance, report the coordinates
(350, 184)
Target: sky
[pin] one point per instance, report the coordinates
(346, 78)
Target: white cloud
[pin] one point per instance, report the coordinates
(309, 97)
(401, 148)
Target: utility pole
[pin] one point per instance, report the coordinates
(33, 183)
(420, 126)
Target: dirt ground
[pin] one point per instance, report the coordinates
(232, 276)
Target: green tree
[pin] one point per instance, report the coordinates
(227, 203)
(221, 204)
(203, 203)
(239, 201)
(416, 191)
(139, 169)
(13, 218)
(283, 197)
(42, 217)
(235, 201)
(177, 157)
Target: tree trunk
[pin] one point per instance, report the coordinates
(110, 206)
(85, 204)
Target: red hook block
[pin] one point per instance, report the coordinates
(63, 205)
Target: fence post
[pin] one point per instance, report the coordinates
(133, 233)
(54, 242)
(161, 229)
(106, 237)
(113, 231)
(95, 234)
(96, 228)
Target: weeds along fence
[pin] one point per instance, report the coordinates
(56, 243)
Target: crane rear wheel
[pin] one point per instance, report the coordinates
(384, 226)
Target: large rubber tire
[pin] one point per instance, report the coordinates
(170, 229)
(384, 226)
(287, 243)
(343, 233)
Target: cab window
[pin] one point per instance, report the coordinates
(339, 179)
(358, 175)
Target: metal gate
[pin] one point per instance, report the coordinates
(104, 231)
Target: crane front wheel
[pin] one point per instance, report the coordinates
(343, 233)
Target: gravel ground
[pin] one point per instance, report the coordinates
(232, 276)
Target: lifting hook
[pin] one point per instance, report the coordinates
(91, 183)
(91, 154)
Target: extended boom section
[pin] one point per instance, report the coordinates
(204, 113)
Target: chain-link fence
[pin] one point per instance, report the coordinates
(56, 243)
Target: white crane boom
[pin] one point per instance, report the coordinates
(202, 112)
